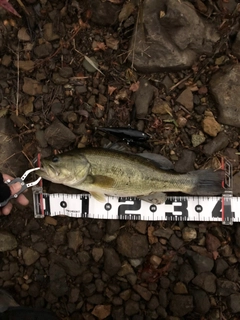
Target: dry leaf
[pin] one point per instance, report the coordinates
(151, 238)
(126, 11)
(99, 46)
(7, 6)
(100, 106)
(134, 86)
(111, 90)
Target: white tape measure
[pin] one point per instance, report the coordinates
(176, 208)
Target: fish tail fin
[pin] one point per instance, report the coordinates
(208, 182)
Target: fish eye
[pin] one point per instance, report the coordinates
(55, 159)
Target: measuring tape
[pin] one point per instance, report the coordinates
(175, 208)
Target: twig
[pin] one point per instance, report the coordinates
(31, 164)
(17, 93)
(181, 81)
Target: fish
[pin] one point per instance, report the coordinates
(105, 172)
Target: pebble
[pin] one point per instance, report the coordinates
(102, 311)
(161, 106)
(58, 287)
(23, 34)
(210, 125)
(175, 242)
(218, 143)
(212, 242)
(198, 139)
(199, 263)
(131, 307)
(32, 87)
(66, 72)
(112, 263)
(186, 99)
(181, 305)
(142, 98)
(206, 281)
(7, 241)
(132, 245)
(43, 50)
(143, 292)
(50, 220)
(58, 80)
(236, 189)
(23, 65)
(232, 156)
(233, 302)
(88, 66)
(186, 273)
(71, 267)
(75, 239)
(59, 136)
(185, 163)
(30, 256)
(48, 32)
(141, 227)
(163, 233)
(189, 234)
(226, 287)
(220, 266)
(201, 301)
(180, 288)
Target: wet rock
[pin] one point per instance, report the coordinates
(132, 245)
(112, 226)
(43, 50)
(171, 41)
(131, 307)
(143, 292)
(226, 287)
(50, 220)
(112, 263)
(163, 233)
(104, 13)
(30, 256)
(97, 253)
(186, 162)
(40, 247)
(95, 231)
(75, 239)
(59, 287)
(59, 80)
(220, 266)
(233, 302)
(162, 313)
(210, 125)
(186, 99)
(142, 98)
(84, 257)
(7, 241)
(180, 288)
(71, 267)
(56, 272)
(153, 303)
(224, 86)
(199, 263)
(206, 281)
(60, 236)
(236, 46)
(101, 311)
(180, 305)
(217, 144)
(32, 87)
(157, 249)
(201, 301)
(141, 227)
(185, 273)
(66, 72)
(212, 242)
(175, 242)
(59, 136)
(23, 34)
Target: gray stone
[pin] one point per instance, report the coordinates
(59, 136)
(199, 263)
(185, 273)
(43, 50)
(181, 305)
(206, 281)
(224, 86)
(142, 98)
(7, 241)
(30, 256)
(112, 263)
(186, 162)
(172, 41)
(186, 99)
(218, 143)
(226, 287)
(233, 302)
(132, 245)
(201, 301)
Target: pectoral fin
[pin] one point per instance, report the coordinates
(155, 198)
(98, 196)
(103, 181)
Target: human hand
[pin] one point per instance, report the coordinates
(14, 188)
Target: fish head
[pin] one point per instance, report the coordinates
(69, 168)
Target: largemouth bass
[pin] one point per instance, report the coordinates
(103, 172)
